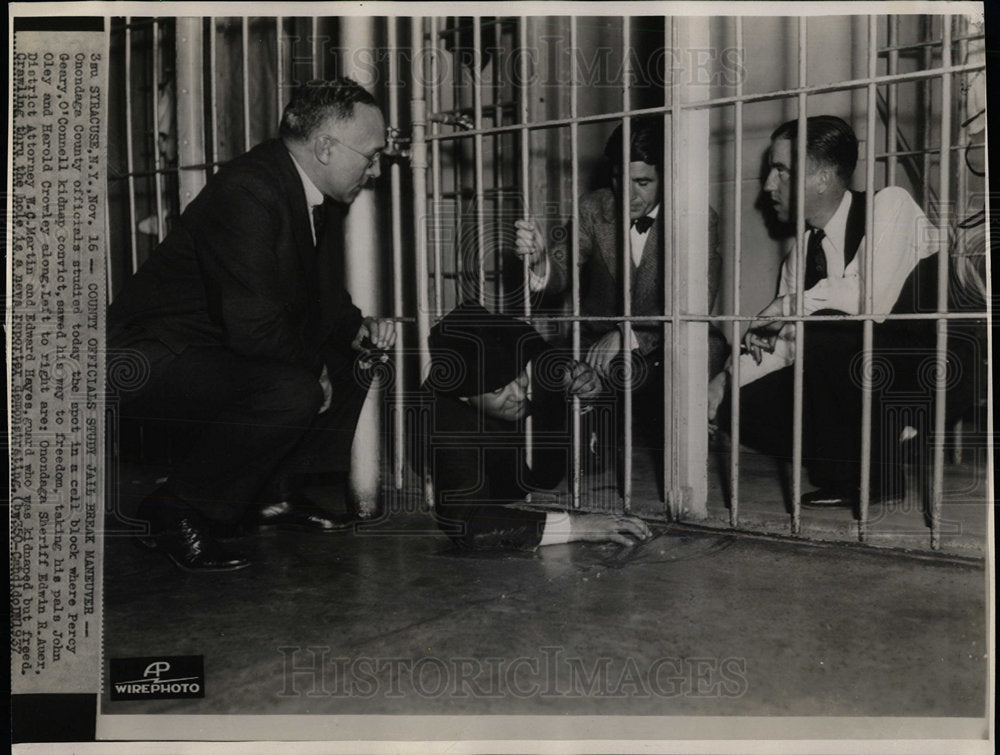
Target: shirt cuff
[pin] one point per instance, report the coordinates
(633, 342)
(556, 529)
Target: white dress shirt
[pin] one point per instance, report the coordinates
(638, 240)
(314, 197)
(902, 237)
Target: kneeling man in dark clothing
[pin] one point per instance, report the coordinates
(477, 449)
(241, 329)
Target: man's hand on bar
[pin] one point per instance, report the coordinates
(582, 380)
(380, 331)
(603, 351)
(530, 244)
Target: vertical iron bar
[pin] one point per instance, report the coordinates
(315, 45)
(477, 120)
(458, 159)
(157, 162)
(399, 387)
(525, 197)
(213, 94)
(927, 87)
(418, 164)
(190, 82)
(435, 87)
(734, 426)
(498, 165)
(962, 203)
(626, 262)
(800, 251)
(574, 242)
(671, 283)
(869, 287)
(129, 154)
(525, 146)
(944, 222)
(279, 69)
(245, 52)
(893, 100)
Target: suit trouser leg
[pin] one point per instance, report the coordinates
(325, 448)
(251, 413)
(765, 413)
(834, 400)
(832, 404)
(830, 438)
(831, 412)
(649, 390)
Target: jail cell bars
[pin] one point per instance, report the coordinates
(468, 113)
(492, 141)
(188, 94)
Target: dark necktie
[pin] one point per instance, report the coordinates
(319, 219)
(815, 258)
(643, 224)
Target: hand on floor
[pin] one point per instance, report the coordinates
(600, 528)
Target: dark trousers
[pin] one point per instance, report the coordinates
(256, 421)
(832, 403)
(649, 388)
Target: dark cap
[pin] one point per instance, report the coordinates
(475, 351)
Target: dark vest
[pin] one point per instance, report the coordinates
(855, 230)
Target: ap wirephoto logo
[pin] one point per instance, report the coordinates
(157, 678)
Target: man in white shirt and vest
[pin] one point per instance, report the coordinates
(903, 245)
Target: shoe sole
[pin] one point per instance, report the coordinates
(150, 544)
(292, 527)
(204, 569)
(306, 530)
(820, 506)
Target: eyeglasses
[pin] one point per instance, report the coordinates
(372, 160)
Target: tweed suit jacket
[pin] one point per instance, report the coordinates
(240, 269)
(600, 259)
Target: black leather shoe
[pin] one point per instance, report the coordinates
(302, 515)
(190, 546)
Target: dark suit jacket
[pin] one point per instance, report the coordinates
(239, 269)
(600, 261)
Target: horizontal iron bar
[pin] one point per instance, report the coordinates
(720, 101)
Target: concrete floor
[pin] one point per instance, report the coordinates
(697, 623)
(764, 505)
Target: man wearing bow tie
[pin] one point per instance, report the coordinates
(602, 261)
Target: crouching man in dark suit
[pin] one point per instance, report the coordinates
(243, 327)
(477, 440)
